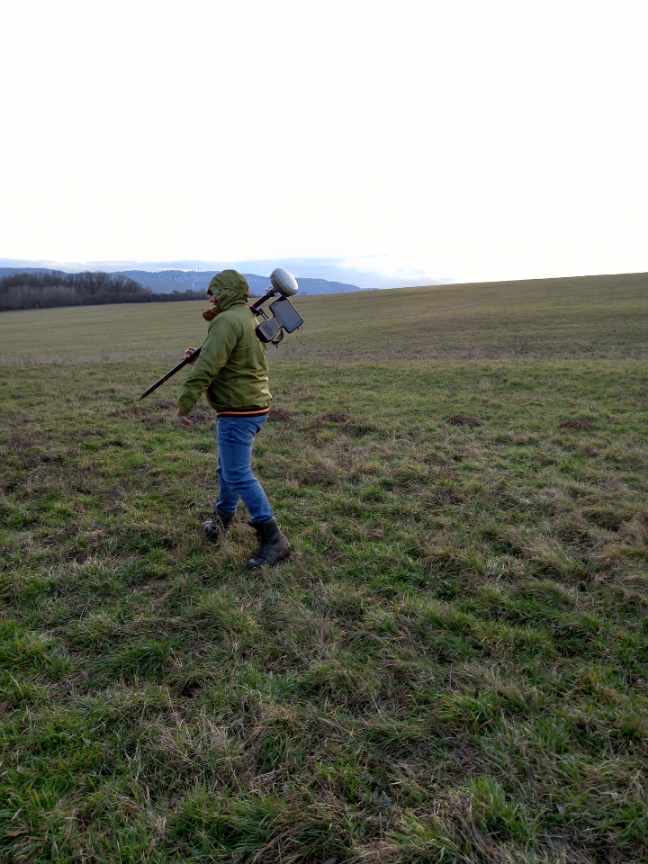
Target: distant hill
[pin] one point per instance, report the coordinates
(362, 273)
(11, 271)
(167, 281)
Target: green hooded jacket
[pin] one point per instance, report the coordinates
(232, 368)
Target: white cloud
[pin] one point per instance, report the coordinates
(465, 139)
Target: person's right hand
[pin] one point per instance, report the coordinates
(189, 352)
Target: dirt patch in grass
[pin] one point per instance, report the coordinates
(52, 458)
(442, 497)
(351, 426)
(605, 517)
(21, 441)
(280, 415)
(147, 414)
(464, 420)
(576, 423)
(320, 473)
(335, 418)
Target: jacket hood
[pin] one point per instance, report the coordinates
(230, 287)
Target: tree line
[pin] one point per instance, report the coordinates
(46, 290)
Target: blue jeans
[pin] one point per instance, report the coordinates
(235, 436)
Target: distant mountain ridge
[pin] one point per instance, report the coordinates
(167, 281)
(364, 272)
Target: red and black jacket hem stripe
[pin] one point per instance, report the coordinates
(243, 412)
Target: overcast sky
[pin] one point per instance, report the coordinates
(466, 140)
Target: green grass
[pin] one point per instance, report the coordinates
(452, 666)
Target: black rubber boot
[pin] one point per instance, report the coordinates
(273, 545)
(215, 529)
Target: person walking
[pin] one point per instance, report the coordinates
(232, 370)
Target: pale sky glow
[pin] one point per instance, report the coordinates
(465, 140)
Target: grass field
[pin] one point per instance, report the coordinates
(453, 667)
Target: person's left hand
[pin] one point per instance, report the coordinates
(185, 421)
